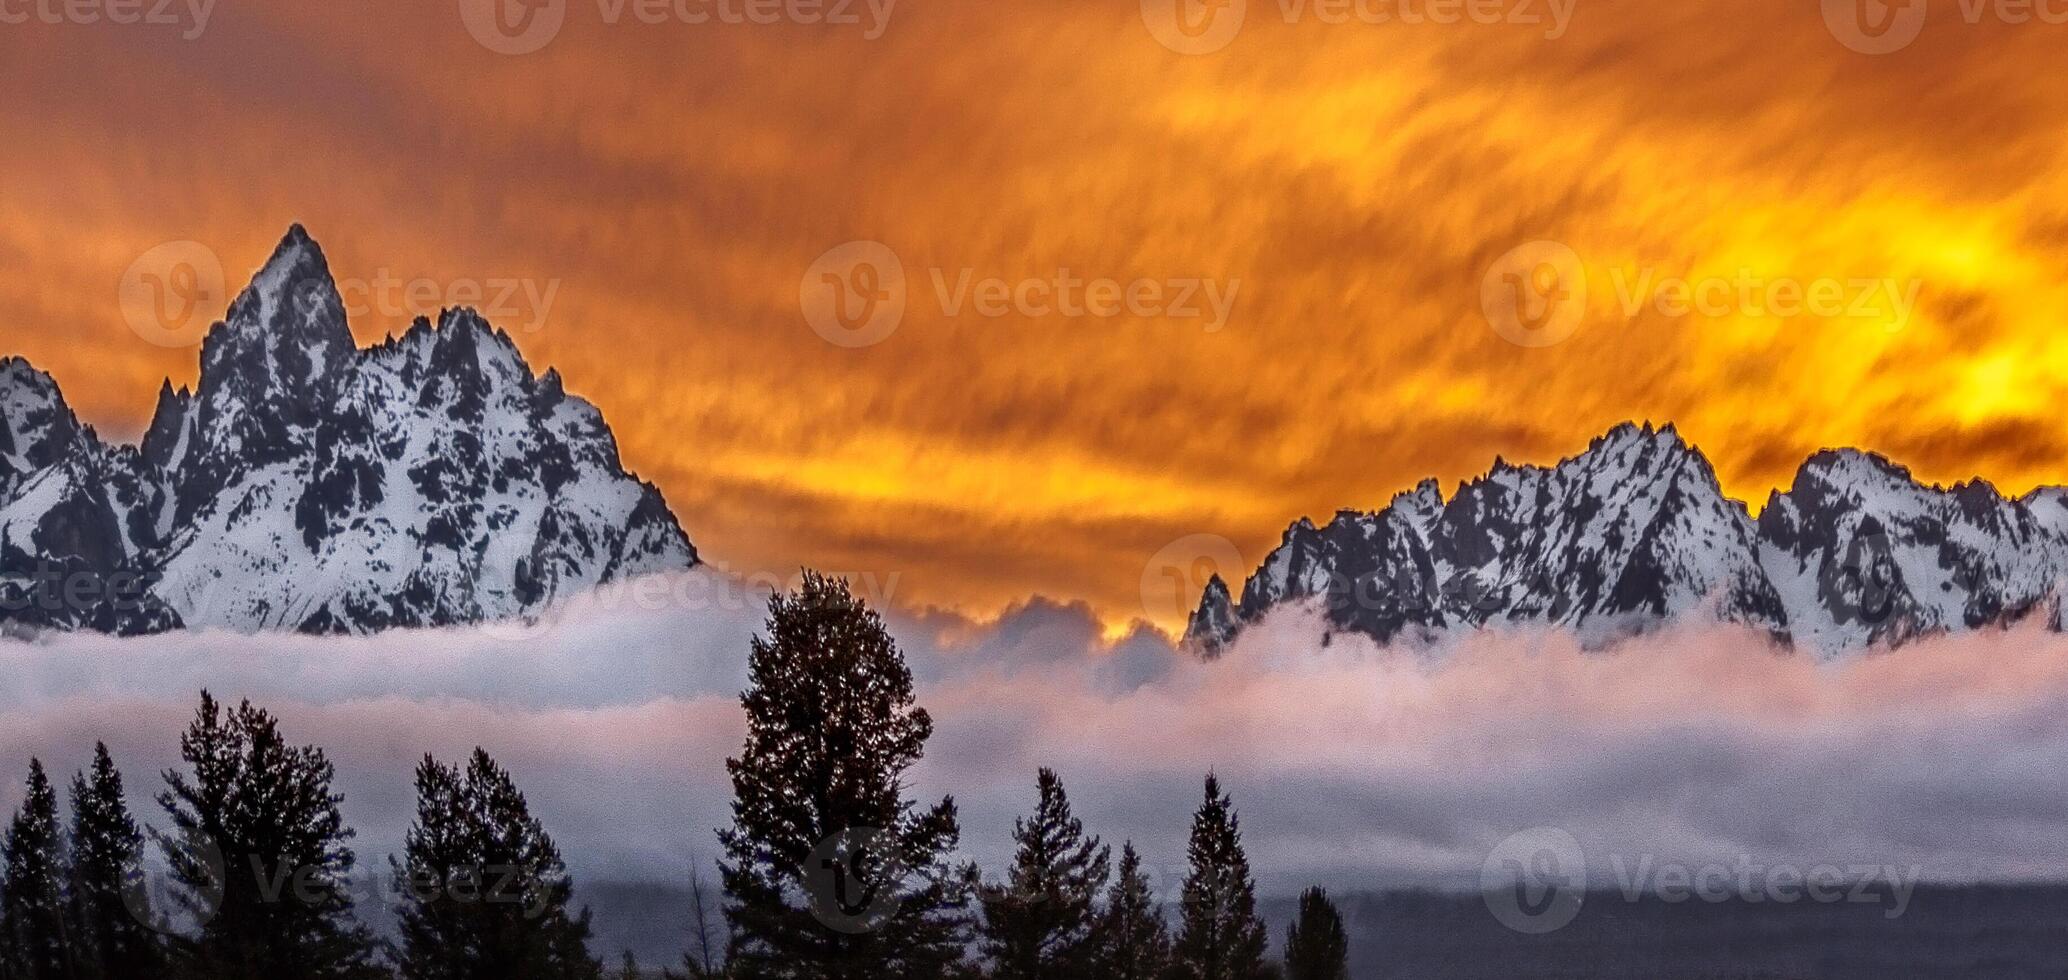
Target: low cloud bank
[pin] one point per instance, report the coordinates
(1353, 766)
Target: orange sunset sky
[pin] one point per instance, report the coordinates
(674, 181)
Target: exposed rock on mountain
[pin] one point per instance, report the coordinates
(1636, 531)
(309, 485)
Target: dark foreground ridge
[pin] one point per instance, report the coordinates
(1943, 933)
(1636, 532)
(309, 485)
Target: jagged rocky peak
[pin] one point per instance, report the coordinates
(1873, 556)
(72, 510)
(306, 484)
(1638, 448)
(37, 428)
(284, 344)
(1636, 531)
(2049, 509)
(172, 425)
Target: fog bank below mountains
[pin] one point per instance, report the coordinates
(1352, 766)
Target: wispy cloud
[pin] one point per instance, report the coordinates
(1353, 766)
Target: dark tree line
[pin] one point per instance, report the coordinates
(831, 869)
(258, 871)
(486, 893)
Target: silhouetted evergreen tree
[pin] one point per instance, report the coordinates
(1316, 945)
(32, 898)
(830, 871)
(109, 908)
(1132, 941)
(630, 968)
(1221, 937)
(485, 893)
(1038, 923)
(258, 851)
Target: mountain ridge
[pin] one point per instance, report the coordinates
(1636, 531)
(305, 483)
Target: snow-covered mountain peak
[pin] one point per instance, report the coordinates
(291, 314)
(1422, 506)
(36, 426)
(307, 484)
(1850, 471)
(271, 368)
(1636, 530)
(1638, 447)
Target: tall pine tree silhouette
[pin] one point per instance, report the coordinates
(484, 890)
(1222, 938)
(1132, 942)
(258, 851)
(109, 909)
(830, 872)
(1039, 922)
(32, 910)
(1316, 945)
